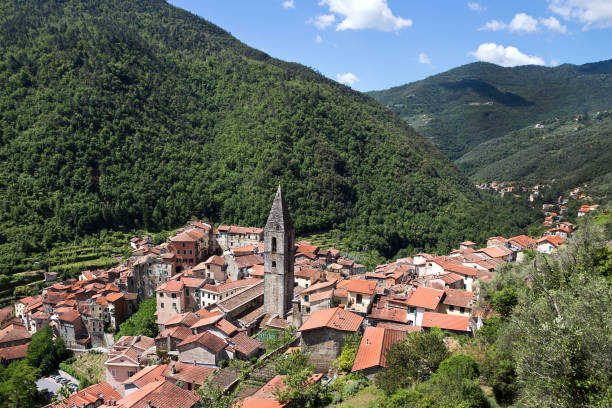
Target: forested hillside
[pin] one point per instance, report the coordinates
(466, 106)
(570, 151)
(122, 114)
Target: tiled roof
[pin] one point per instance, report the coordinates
(315, 297)
(307, 248)
(102, 392)
(495, 251)
(113, 297)
(187, 372)
(318, 286)
(226, 327)
(231, 285)
(238, 299)
(446, 321)
(392, 314)
(171, 286)
(336, 318)
(307, 273)
(266, 398)
(14, 352)
(212, 318)
(251, 317)
(247, 261)
(245, 344)
(159, 394)
(398, 326)
(450, 278)
(358, 286)
(236, 229)
(215, 260)
(523, 240)
(459, 298)
(206, 339)
(555, 240)
(375, 343)
(451, 266)
(70, 316)
(146, 375)
(183, 237)
(426, 298)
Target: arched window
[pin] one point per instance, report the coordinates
(273, 244)
(274, 264)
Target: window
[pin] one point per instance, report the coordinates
(161, 305)
(465, 286)
(174, 296)
(183, 245)
(113, 373)
(274, 243)
(187, 292)
(306, 298)
(451, 308)
(161, 294)
(184, 252)
(359, 298)
(307, 310)
(131, 373)
(274, 264)
(174, 305)
(462, 310)
(190, 252)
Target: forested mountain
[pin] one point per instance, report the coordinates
(122, 114)
(570, 151)
(466, 106)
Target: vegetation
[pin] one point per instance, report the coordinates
(140, 323)
(349, 352)
(88, 368)
(119, 115)
(567, 151)
(46, 353)
(300, 390)
(466, 106)
(18, 386)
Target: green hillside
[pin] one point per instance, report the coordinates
(122, 114)
(466, 106)
(568, 151)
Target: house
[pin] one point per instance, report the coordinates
(317, 296)
(360, 293)
(6, 316)
(213, 268)
(233, 236)
(238, 267)
(170, 301)
(496, 241)
(13, 353)
(521, 243)
(467, 244)
(144, 377)
(501, 253)
(266, 397)
(117, 309)
(305, 277)
(14, 335)
(188, 376)
(21, 304)
(157, 394)
(126, 358)
(203, 349)
(211, 294)
(444, 321)
(72, 330)
(459, 302)
(549, 243)
(375, 343)
(101, 394)
(323, 332)
(423, 300)
(246, 347)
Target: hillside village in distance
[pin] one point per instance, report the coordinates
(221, 291)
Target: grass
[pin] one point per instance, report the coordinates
(91, 366)
(363, 399)
(334, 239)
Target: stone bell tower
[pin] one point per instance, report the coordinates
(279, 254)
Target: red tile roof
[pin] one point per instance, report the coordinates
(215, 260)
(14, 353)
(183, 237)
(146, 375)
(206, 339)
(113, 297)
(336, 318)
(241, 283)
(70, 316)
(446, 321)
(375, 343)
(160, 394)
(226, 327)
(451, 266)
(102, 392)
(555, 240)
(398, 326)
(245, 344)
(358, 286)
(187, 372)
(171, 286)
(426, 298)
(459, 298)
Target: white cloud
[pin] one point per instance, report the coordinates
(348, 79)
(287, 4)
(322, 21)
(365, 14)
(493, 25)
(523, 22)
(553, 24)
(424, 58)
(591, 13)
(554, 62)
(319, 39)
(505, 56)
(475, 6)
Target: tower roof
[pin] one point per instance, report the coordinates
(279, 214)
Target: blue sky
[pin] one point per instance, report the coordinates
(377, 44)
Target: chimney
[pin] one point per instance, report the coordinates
(172, 369)
(149, 404)
(367, 341)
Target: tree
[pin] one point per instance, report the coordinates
(142, 322)
(18, 388)
(214, 397)
(349, 351)
(300, 390)
(288, 363)
(44, 352)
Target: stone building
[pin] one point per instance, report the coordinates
(279, 253)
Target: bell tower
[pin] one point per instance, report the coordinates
(279, 254)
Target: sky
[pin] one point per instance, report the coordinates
(377, 44)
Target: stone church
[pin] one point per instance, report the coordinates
(279, 255)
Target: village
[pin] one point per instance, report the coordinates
(220, 292)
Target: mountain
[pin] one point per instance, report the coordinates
(570, 152)
(469, 105)
(123, 114)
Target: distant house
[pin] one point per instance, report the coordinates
(451, 322)
(203, 349)
(423, 300)
(323, 332)
(360, 293)
(126, 358)
(189, 376)
(549, 243)
(234, 236)
(170, 301)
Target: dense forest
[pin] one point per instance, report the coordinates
(466, 106)
(122, 114)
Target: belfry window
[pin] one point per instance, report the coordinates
(273, 244)
(274, 264)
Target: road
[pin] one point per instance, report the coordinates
(49, 384)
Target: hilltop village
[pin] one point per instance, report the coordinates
(221, 292)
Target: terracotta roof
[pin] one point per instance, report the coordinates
(358, 286)
(318, 286)
(14, 352)
(231, 285)
(101, 392)
(113, 297)
(251, 317)
(467, 243)
(240, 298)
(315, 297)
(398, 326)
(336, 318)
(215, 260)
(555, 240)
(446, 321)
(212, 318)
(450, 278)
(171, 286)
(247, 261)
(183, 237)
(146, 375)
(459, 298)
(393, 314)
(245, 344)
(226, 327)
(178, 332)
(184, 319)
(451, 266)
(495, 251)
(523, 241)
(426, 298)
(265, 397)
(160, 394)
(307, 273)
(193, 282)
(206, 339)
(70, 316)
(187, 372)
(375, 343)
